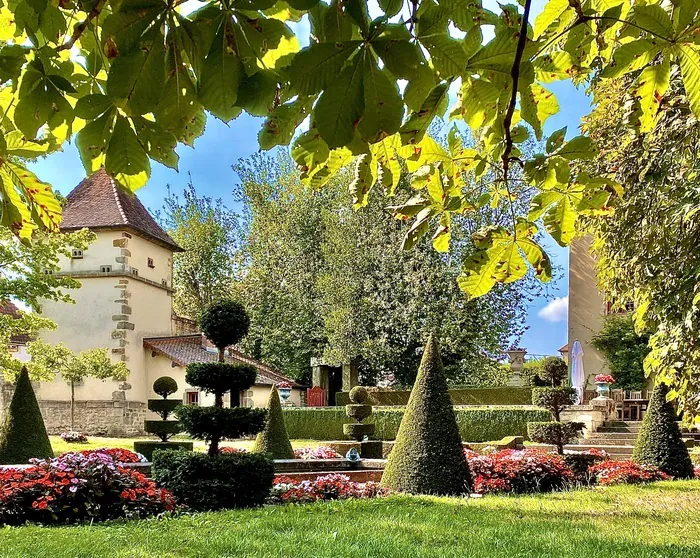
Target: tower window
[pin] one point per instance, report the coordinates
(151, 264)
(164, 282)
(48, 272)
(77, 254)
(134, 272)
(105, 268)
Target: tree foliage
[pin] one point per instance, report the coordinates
(648, 251)
(624, 350)
(324, 281)
(206, 271)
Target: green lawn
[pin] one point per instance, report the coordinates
(59, 446)
(660, 521)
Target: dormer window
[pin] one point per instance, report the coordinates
(76, 254)
(151, 263)
(105, 269)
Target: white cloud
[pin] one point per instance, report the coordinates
(556, 310)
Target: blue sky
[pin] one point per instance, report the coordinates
(222, 145)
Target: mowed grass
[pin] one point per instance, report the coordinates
(59, 446)
(659, 521)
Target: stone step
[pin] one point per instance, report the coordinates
(618, 429)
(612, 435)
(356, 475)
(611, 441)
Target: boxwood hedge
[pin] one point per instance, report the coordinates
(476, 424)
(466, 396)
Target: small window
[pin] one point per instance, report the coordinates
(105, 268)
(192, 398)
(13, 348)
(134, 272)
(77, 254)
(164, 282)
(151, 264)
(48, 272)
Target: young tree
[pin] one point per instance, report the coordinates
(206, 271)
(49, 360)
(326, 281)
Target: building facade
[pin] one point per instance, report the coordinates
(125, 305)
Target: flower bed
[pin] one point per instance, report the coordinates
(73, 437)
(518, 471)
(77, 487)
(628, 472)
(119, 455)
(327, 487)
(320, 452)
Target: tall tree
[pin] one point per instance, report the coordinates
(205, 272)
(648, 250)
(326, 281)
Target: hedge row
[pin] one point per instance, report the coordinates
(467, 396)
(476, 424)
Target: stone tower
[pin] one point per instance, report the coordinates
(126, 293)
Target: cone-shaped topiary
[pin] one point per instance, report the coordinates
(23, 436)
(659, 442)
(274, 440)
(427, 457)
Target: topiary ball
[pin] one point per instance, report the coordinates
(224, 323)
(165, 386)
(358, 394)
(554, 371)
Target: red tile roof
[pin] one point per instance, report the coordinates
(564, 348)
(188, 349)
(9, 309)
(98, 202)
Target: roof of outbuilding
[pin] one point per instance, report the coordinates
(7, 308)
(188, 349)
(98, 202)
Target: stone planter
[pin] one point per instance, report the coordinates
(602, 389)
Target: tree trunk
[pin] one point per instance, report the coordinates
(72, 405)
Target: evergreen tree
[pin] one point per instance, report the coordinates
(659, 442)
(274, 439)
(23, 436)
(427, 457)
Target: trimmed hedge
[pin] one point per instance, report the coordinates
(467, 396)
(476, 424)
(213, 482)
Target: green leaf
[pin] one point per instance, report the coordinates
(92, 106)
(44, 207)
(441, 238)
(555, 66)
(389, 172)
(651, 85)
(92, 141)
(179, 110)
(536, 106)
(14, 213)
(689, 60)
(477, 102)
(391, 7)
(631, 57)
(447, 54)
(364, 178)
(264, 43)
(309, 152)
(221, 77)
(257, 93)
(340, 106)
(551, 12)
(418, 122)
(654, 18)
(283, 121)
(400, 56)
(12, 58)
(16, 144)
(556, 139)
(383, 107)
(418, 228)
(157, 141)
(419, 87)
(135, 82)
(580, 147)
(499, 53)
(316, 67)
(126, 160)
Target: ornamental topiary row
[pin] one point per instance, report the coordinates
(476, 424)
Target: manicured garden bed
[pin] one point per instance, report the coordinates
(645, 521)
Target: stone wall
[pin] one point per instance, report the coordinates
(96, 418)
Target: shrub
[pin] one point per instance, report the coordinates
(427, 456)
(77, 487)
(554, 371)
(73, 437)
(209, 423)
(165, 386)
(581, 463)
(273, 440)
(212, 482)
(459, 396)
(328, 487)
(320, 452)
(225, 323)
(556, 433)
(23, 435)
(518, 471)
(628, 472)
(624, 351)
(220, 377)
(659, 443)
(475, 424)
(554, 399)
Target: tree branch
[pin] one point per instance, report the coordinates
(80, 28)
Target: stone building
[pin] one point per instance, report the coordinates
(125, 305)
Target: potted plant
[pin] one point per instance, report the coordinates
(285, 389)
(602, 384)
